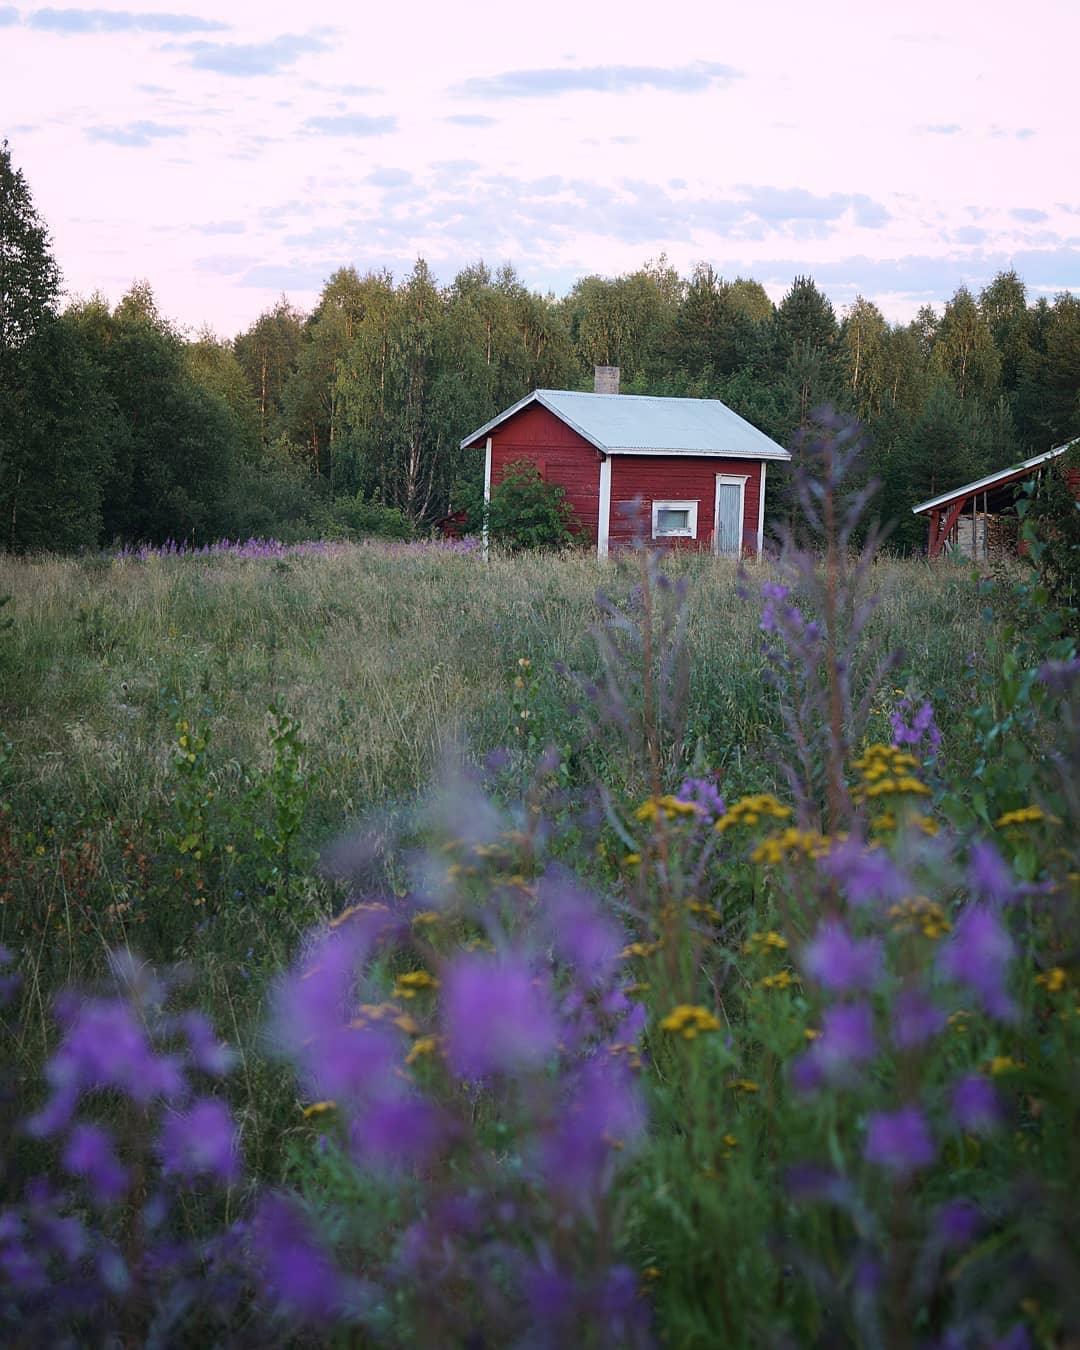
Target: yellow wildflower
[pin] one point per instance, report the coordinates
(1054, 980)
(524, 662)
(921, 912)
(318, 1109)
(426, 916)
(639, 949)
(1003, 1064)
(407, 986)
(783, 979)
(792, 842)
(749, 811)
(688, 1020)
(744, 1085)
(667, 806)
(1025, 815)
(424, 1045)
(770, 941)
(632, 860)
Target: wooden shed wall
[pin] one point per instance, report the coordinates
(657, 478)
(561, 455)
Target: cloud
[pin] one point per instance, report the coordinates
(222, 227)
(1025, 133)
(550, 82)
(969, 234)
(120, 21)
(8, 15)
(471, 120)
(940, 129)
(351, 124)
(247, 59)
(135, 133)
(389, 178)
(796, 204)
(289, 276)
(1028, 215)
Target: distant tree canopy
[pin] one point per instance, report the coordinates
(114, 426)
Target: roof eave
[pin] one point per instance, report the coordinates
(781, 455)
(1002, 476)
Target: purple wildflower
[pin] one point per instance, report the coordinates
(976, 1106)
(847, 1039)
(496, 1014)
(911, 726)
(988, 876)
(841, 963)
(200, 1141)
(915, 1020)
(90, 1153)
(296, 1269)
(603, 1117)
(582, 935)
(105, 1046)
(207, 1052)
(396, 1132)
(314, 1019)
(900, 1141)
(705, 795)
(978, 955)
(957, 1223)
(868, 876)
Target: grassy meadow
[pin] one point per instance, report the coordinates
(185, 737)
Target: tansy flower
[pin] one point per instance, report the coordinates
(749, 811)
(783, 979)
(407, 986)
(1025, 815)
(744, 1085)
(688, 1020)
(1054, 980)
(770, 941)
(424, 1045)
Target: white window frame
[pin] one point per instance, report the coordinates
(686, 505)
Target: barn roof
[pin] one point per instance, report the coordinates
(639, 424)
(1014, 473)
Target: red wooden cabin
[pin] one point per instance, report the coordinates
(687, 472)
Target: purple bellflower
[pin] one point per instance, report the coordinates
(976, 1106)
(840, 963)
(978, 955)
(497, 1015)
(899, 1141)
(200, 1141)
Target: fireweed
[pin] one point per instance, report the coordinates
(790, 1067)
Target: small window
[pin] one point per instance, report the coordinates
(674, 520)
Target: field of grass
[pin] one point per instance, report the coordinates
(184, 737)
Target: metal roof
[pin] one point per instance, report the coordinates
(639, 424)
(992, 479)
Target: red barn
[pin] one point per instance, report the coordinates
(696, 469)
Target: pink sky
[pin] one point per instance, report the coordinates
(227, 153)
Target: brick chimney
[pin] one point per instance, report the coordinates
(605, 379)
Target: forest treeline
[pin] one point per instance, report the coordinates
(116, 427)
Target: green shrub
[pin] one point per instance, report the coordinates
(1054, 515)
(525, 512)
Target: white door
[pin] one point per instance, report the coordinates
(727, 531)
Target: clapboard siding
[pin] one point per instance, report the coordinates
(648, 478)
(561, 455)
